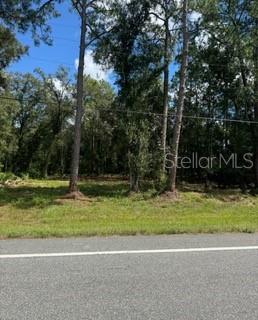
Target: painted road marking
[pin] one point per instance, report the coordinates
(124, 252)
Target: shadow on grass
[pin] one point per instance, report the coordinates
(26, 197)
(104, 189)
(224, 195)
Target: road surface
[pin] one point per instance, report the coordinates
(161, 277)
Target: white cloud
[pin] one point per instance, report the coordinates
(93, 69)
(195, 16)
(58, 85)
(203, 39)
(61, 88)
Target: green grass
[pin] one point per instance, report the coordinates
(31, 210)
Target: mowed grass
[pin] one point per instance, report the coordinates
(31, 209)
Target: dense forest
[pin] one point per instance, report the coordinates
(186, 83)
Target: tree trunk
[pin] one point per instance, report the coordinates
(171, 183)
(165, 92)
(134, 182)
(46, 164)
(73, 187)
(252, 111)
(256, 98)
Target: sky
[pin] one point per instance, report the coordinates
(64, 51)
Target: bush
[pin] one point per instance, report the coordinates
(8, 178)
(25, 176)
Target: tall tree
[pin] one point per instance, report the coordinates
(167, 60)
(236, 21)
(255, 57)
(98, 128)
(82, 8)
(171, 183)
(89, 12)
(58, 93)
(8, 145)
(164, 14)
(134, 54)
(30, 110)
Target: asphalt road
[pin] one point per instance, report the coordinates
(176, 285)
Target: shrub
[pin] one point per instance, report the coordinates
(8, 178)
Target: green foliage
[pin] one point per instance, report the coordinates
(58, 96)
(138, 136)
(33, 15)
(135, 57)
(10, 50)
(27, 91)
(36, 128)
(22, 16)
(98, 128)
(120, 133)
(7, 178)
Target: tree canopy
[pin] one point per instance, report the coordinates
(185, 82)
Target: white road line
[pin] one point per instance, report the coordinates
(106, 253)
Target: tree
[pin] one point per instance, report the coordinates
(10, 50)
(25, 15)
(58, 98)
(254, 14)
(22, 16)
(171, 183)
(98, 128)
(121, 130)
(164, 13)
(81, 7)
(28, 93)
(7, 133)
(236, 22)
(134, 54)
(88, 11)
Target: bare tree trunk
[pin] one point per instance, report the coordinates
(252, 111)
(250, 106)
(47, 160)
(256, 99)
(73, 187)
(171, 182)
(134, 182)
(165, 92)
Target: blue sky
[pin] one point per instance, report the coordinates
(64, 51)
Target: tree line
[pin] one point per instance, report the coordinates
(186, 81)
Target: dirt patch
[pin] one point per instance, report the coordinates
(169, 196)
(73, 197)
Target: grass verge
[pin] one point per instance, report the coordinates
(31, 210)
